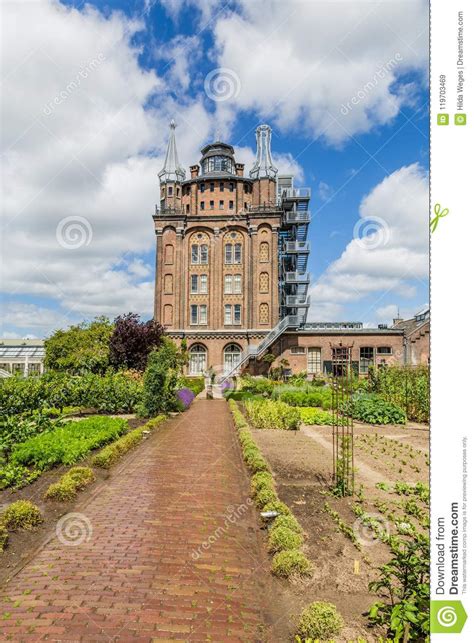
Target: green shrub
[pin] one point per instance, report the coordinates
(69, 443)
(18, 428)
(405, 387)
(109, 393)
(261, 480)
(291, 563)
(282, 538)
(312, 415)
(320, 620)
(113, 452)
(374, 410)
(289, 522)
(278, 506)
(265, 495)
(76, 479)
(258, 385)
(160, 380)
(3, 537)
(232, 394)
(269, 414)
(21, 514)
(319, 397)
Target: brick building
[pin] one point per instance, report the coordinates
(231, 268)
(417, 337)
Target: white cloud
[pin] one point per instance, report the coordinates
(82, 140)
(391, 256)
(300, 61)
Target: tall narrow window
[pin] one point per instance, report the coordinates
(264, 282)
(194, 314)
(168, 285)
(168, 315)
(228, 253)
(237, 313)
(194, 284)
(170, 190)
(238, 253)
(231, 205)
(231, 187)
(203, 314)
(238, 284)
(221, 205)
(228, 284)
(169, 253)
(204, 254)
(221, 186)
(314, 360)
(211, 205)
(264, 252)
(212, 187)
(204, 284)
(228, 314)
(264, 314)
(202, 187)
(194, 253)
(201, 205)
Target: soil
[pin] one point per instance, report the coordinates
(22, 545)
(302, 465)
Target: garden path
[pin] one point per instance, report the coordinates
(167, 548)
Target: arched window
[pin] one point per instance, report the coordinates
(264, 314)
(199, 248)
(264, 253)
(232, 354)
(197, 359)
(264, 282)
(233, 248)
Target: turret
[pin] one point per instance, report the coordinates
(171, 176)
(264, 171)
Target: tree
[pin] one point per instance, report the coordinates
(81, 348)
(160, 380)
(133, 340)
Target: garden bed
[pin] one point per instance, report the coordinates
(342, 550)
(23, 544)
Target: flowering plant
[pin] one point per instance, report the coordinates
(184, 397)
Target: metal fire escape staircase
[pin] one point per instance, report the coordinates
(293, 278)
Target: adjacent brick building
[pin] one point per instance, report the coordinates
(231, 269)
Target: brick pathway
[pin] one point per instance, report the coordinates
(173, 551)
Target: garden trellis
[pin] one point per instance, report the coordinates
(343, 424)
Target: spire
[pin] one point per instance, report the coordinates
(263, 166)
(172, 170)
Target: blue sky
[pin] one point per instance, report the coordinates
(81, 152)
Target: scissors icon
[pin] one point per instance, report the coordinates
(439, 214)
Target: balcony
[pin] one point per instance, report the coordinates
(297, 301)
(297, 247)
(295, 217)
(296, 193)
(296, 277)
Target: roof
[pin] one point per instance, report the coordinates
(409, 326)
(21, 349)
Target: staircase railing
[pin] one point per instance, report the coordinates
(290, 321)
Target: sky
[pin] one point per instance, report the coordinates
(89, 89)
